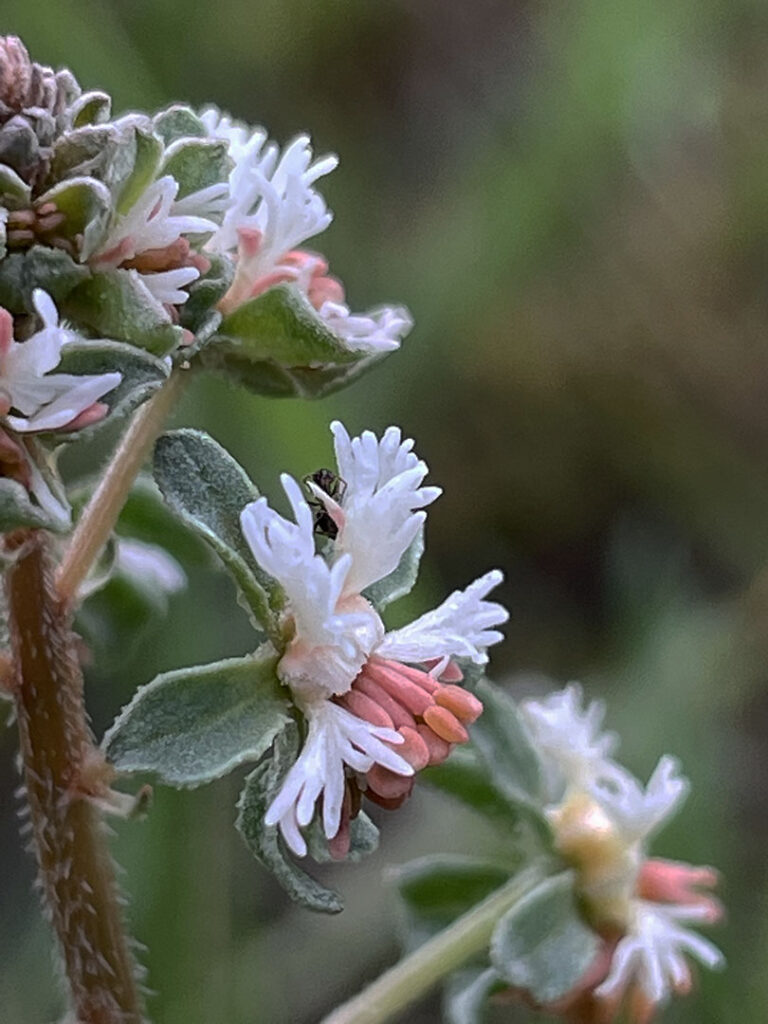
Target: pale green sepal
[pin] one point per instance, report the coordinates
(148, 154)
(87, 207)
(18, 510)
(265, 842)
(208, 489)
(542, 944)
(194, 725)
(91, 108)
(178, 122)
(363, 840)
(197, 163)
(13, 189)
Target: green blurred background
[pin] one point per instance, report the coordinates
(572, 199)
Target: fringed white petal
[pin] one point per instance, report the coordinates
(651, 955)
(639, 812)
(462, 627)
(166, 286)
(73, 395)
(383, 491)
(336, 740)
(379, 330)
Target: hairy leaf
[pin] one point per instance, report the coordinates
(265, 842)
(196, 163)
(542, 944)
(197, 724)
(53, 270)
(178, 122)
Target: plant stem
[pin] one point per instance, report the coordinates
(449, 949)
(61, 767)
(101, 513)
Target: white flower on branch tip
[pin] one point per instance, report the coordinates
(347, 674)
(275, 207)
(35, 399)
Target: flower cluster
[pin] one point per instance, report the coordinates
(603, 819)
(378, 705)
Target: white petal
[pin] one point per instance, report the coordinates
(382, 493)
(636, 811)
(167, 285)
(335, 740)
(76, 393)
(379, 330)
(459, 627)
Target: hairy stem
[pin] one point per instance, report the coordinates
(62, 768)
(101, 513)
(416, 974)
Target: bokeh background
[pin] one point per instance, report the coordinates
(572, 199)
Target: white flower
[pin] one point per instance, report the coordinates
(379, 330)
(150, 566)
(574, 749)
(43, 400)
(271, 193)
(336, 740)
(150, 224)
(166, 285)
(651, 956)
(339, 636)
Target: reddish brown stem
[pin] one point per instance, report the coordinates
(76, 873)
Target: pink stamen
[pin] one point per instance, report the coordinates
(438, 748)
(117, 255)
(413, 749)
(446, 725)
(669, 881)
(399, 715)
(464, 705)
(409, 694)
(92, 414)
(360, 704)
(388, 784)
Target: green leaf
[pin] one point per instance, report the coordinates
(84, 152)
(541, 944)
(13, 189)
(265, 842)
(204, 294)
(504, 745)
(91, 108)
(17, 509)
(466, 994)
(178, 122)
(53, 270)
(146, 517)
(207, 489)
(283, 326)
(197, 724)
(197, 163)
(401, 580)
(463, 776)
(87, 207)
(117, 304)
(142, 374)
(438, 888)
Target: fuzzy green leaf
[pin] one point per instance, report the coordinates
(148, 154)
(197, 724)
(283, 326)
(204, 294)
(117, 304)
(142, 374)
(84, 152)
(542, 944)
(466, 994)
(207, 489)
(197, 163)
(40, 267)
(438, 888)
(504, 745)
(265, 842)
(401, 580)
(87, 207)
(17, 509)
(178, 122)
(363, 840)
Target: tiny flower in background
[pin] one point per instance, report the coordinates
(602, 820)
(378, 706)
(275, 207)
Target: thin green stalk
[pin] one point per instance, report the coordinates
(102, 511)
(410, 979)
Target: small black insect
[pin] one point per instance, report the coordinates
(334, 487)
